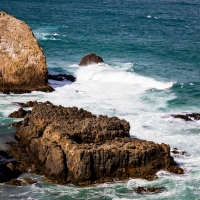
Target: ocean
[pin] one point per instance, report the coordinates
(151, 50)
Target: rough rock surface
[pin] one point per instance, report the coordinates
(187, 117)
(71, 145)
(8, 167)
(19, 114)
(90, 59)
(22, 62)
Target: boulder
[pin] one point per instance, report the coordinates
(90, 59)
(22, 61)
(71, 145)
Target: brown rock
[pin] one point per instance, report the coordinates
(22, 62)
(90, 59)
(19, 114)
(73, 145)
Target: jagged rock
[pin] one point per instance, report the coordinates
(62, 77)
(20, 182)
(8, 167)
(19, 114)
(187, 117)
(71, 145)
(150, 190)
(22, 62)
(90, 59)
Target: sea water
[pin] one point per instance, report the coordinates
(151, 50)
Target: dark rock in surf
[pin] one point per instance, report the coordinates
(71, 145)
(187, 117)
(91, 59)
(62, 77)
(149, 190)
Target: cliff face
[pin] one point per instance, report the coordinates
(22, 62)
(73, 145)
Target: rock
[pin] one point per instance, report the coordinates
(90, 59)
(19, 114)
(22, 62)
(20, 182)
(62, 77)
(150, 190)
(187, 117)
(176, 151)
(8, 167)
(71, 145)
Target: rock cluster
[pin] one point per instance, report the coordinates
(71, 145)
(90, 59)
(187, 117)
(22, 62)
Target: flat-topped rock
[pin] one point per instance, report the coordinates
(22, 61)
(71, 145)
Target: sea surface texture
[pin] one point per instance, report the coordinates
(151, 50)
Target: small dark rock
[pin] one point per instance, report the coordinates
(150, 190)
(187, 117)
(15, 182)
(90, 59)
(61, 77)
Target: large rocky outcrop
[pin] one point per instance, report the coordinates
(73, 145)
(22, 62)
(90, 59)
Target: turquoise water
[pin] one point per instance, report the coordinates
(151, 51)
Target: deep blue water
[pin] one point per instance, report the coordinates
(158, 40)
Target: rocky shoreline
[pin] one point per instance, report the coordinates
(71, 145)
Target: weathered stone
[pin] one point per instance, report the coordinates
(19, 114)
(90, 59)
(73, 145)
(22, 62)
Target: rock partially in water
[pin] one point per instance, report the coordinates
(19, 114)
(71, 145)
(62, 77)
(20, 182)
(90, 59)
(187, 117)
(22, 64)
(8, 167)
(149, 190)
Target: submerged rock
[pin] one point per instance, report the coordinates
(149, 190)
(22, 62)
(90, 59)
(71, 145)
(187, 117)
(62, 77)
